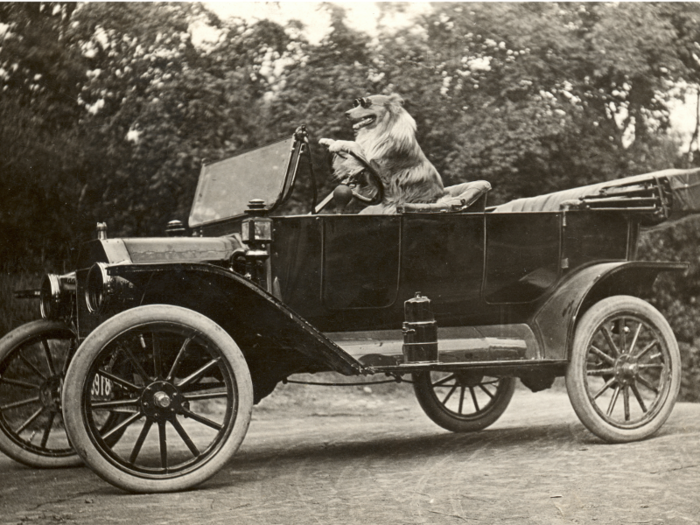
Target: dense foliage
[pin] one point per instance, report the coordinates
(108, 110)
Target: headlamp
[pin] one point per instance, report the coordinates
(97, 287)
(55, 295)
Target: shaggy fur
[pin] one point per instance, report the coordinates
(385, 137)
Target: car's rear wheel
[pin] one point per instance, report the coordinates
(33, 359)
(184, 383)
(463, 400)
(625, 369)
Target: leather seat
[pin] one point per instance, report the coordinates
(467, 196)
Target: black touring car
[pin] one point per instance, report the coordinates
(149, 357)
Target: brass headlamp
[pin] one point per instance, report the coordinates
(56, 295)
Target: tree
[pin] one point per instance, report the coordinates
(316, 85)
(41, 159)
(539, 97)
(163, 105)
(112, 110)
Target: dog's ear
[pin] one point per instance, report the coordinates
(395, 98)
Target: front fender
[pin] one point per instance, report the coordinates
(555, 321)
(275, 341)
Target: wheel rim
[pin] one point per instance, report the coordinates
(627, 371)
(31, 378)
(175, 391)
(465, 395)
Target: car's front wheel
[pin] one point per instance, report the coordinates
(182, 386)
(33, 359)
(625, 369)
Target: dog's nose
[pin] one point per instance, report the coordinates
(347, 114)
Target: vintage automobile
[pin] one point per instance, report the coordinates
(151, 355)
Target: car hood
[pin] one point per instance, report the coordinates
(159, 250)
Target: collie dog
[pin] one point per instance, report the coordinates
(385, 138)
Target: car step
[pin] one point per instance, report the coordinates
(468, 344)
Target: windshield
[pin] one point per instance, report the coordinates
(225, 187)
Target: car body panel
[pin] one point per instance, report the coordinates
(340, 282)
(506, 284)
(350, 272)
(555, 321)
(157, 250)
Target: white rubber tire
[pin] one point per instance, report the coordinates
(75, 387)
(603, 423)
(27, 453)
(454, 421)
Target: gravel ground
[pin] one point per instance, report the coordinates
(368, 455)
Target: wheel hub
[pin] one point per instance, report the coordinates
(469, 379)
(626, 369)
(161, 400)
(50, 393)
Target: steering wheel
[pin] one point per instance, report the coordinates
(359, 174)
(368, 176)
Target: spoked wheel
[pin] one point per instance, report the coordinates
(463, 401)
(624, 374)
(33, 359)
(185, 384)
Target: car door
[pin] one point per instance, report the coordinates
(442, 257)
(360, 261)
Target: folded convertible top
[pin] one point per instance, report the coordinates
(658, 196)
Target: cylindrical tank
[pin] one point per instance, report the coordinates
(420, 342)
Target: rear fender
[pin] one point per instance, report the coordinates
(275, 341)
(555, 321)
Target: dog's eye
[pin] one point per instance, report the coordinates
(364, 102)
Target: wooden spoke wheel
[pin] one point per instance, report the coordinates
(624, 374)
(33, 359)
(463, 401)
(186, 389)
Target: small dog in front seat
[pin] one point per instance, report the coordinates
(385, 138)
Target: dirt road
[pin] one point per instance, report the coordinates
(354, 457)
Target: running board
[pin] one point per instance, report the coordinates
(464, 344)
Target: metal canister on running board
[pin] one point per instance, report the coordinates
(420, 344)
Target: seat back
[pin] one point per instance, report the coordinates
(468, 196)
